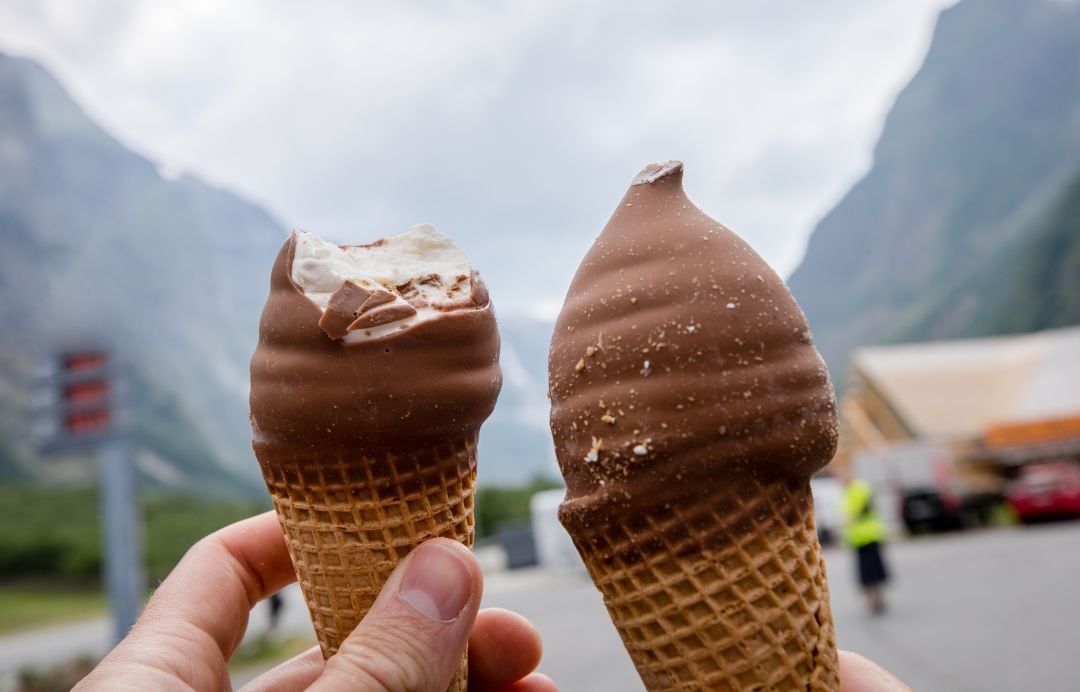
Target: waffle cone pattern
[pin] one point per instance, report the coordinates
(349, 519)
(730, 596)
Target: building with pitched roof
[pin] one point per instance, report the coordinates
(958, 415)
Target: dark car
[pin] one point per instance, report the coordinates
(927, 510)
(1046, 490)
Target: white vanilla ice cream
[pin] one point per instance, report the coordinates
(421, 268)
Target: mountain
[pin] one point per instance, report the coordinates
(97, 245)
(515, 443)
(966, 223)
(1029, 283)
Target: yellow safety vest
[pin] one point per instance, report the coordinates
(862, 524)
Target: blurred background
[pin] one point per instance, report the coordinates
(912, 167)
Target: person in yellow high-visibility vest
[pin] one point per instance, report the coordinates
(866, 533)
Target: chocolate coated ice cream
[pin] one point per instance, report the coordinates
(377, 367)
(680, 363)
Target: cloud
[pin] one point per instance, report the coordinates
(513, 126)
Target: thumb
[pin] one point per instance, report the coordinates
(417, 630)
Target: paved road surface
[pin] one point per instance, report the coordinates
(993, 610)
(980, 611)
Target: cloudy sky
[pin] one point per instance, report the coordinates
(513, 126)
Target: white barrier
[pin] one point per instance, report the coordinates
(554, 549)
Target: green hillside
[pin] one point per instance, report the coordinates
(1029, 284)
(961, 226)
(96, 246)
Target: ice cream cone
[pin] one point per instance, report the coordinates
(350, 518)
(368, 390)
(749, 611)
(689, 411)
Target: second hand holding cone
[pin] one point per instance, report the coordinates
(375, 369)
(689, 410)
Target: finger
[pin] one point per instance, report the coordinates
(860, 674)
(535, 682)
(220, 580)
(198, 615)
(416, 631)
(503, 647)
(295, 674)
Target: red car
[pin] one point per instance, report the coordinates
(1046, 489)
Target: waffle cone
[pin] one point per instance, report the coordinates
(350, 518)
(729, 595)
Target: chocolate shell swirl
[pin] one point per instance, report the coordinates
(680, 360)
(412, 387)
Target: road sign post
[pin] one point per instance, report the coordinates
(123, 576)
(90, 413)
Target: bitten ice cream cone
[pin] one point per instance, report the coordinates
(375, 368)
(689, 410)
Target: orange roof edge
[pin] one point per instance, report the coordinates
(1033, 432)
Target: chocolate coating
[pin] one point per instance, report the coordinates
(342, 307)
(681, 363)
(436, 379)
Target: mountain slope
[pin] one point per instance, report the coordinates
(975, 152)
(515, 443)
(1029, 283)
(95, 245)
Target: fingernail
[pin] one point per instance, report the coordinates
(437, 582)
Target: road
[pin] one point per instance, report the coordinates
(989, 610)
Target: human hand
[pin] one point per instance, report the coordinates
(860, 674)
(411, 639)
